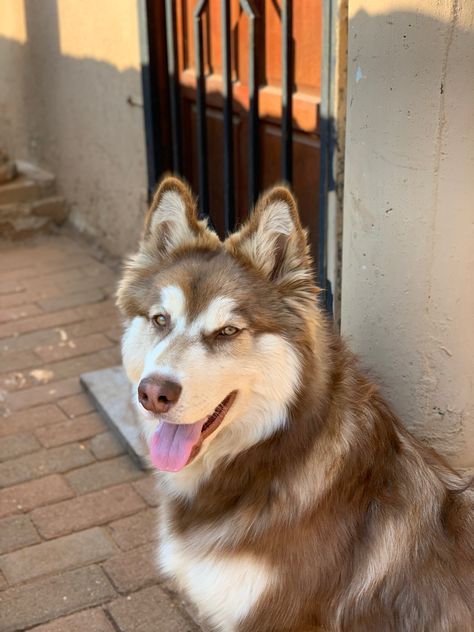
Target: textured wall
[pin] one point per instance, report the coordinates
(66, 72)
(408, 246)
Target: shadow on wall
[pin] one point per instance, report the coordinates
(408, 249)
(72, 116)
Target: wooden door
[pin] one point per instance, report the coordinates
(177, 80)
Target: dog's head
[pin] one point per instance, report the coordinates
(215, 330)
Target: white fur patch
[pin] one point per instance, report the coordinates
(225, 588)
(218, 313)
(172, 210)
(136, 341)
(173, 301)
(276, 220)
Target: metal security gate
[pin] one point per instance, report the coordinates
(233, 104)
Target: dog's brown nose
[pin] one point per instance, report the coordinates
(158, 394)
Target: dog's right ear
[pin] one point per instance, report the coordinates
(171, 221)
(171, 225)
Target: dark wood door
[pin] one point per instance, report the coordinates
(306, 34)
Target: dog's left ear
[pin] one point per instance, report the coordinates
(273, 239)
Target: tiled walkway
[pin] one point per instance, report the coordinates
(76, 515)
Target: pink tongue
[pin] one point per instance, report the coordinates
(172, 444)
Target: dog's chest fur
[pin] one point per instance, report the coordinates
(224, 587)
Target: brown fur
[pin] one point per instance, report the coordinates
(367, 530)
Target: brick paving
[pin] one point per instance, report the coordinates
(77, 517)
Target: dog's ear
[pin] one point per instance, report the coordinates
(172, 218)
(171, 225)
(273, 239)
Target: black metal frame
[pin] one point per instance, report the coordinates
(287, 92)
(152, 111)
(229, 200)
(151, 107)
(328, 140)
(176, 144)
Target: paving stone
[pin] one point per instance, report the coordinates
(115, 333)
(107, 281)
(72, 300)
(42, 321)
(33, 296)
(51, 278)
(56, 263)
(44, 394)
(16, 445)
(103, 474)
(106, 446)
(149, 610)
(48, 598)
(97, 310)
(63, 369)
(36, 493)
(27, 420)
(30, 340)
(110, 391)
(76, 405)
(147, 489)
(93, 509)
(132, 570)
(71, 348)
(70, 551)
(44, 462)
(17, 532)
(19, 360)
(92, 326)
(85, 621)
(97, 268)
(71, 430)
(135, 531)
(11, 286)
(15, 313)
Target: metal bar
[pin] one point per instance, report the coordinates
(151, 103)
(229, 219)
(327, 139)
(201, 111)
(287, 89)
(173, 86)
(253, 142)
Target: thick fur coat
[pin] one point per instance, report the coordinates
(309, 506)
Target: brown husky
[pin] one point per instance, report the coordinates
(292, 497)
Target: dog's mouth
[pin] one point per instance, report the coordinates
(173, 446)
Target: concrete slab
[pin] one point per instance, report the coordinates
(110, 391)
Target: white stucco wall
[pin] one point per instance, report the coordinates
(408, 235)
(66, 71)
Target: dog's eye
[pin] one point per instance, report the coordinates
(228, 331)
(160, 320)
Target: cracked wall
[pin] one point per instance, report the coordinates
(408, 244)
